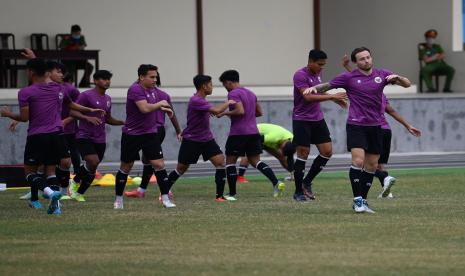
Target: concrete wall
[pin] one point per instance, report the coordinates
(265, 40)
(442, 121)
(391, 29)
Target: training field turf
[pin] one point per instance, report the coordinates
(420, 232)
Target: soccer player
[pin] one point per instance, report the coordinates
(140, 133)
(91, 138)
(309, 125)
(381, 173)
(364, 87)
(147, 171)
(40, 104)
(277, 141)
(244, 139)
(197, 138)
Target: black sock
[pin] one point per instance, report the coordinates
(268, 172)
(35, 181)
(366, 180)
(63, 176)
(120, 183)
(86, 182)
(172, 178)
(317, 166)
(146, 175)
(381, 175)
(81, 173)
(355, 179)
(299, 168)
(162, 180)
(53, 183)
(231, 175)
(242, 170)
(220, 180)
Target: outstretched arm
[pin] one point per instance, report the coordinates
(396, 115)
(399, 80)
(23, 115)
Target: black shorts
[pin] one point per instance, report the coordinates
(386, 146)
(88, 147)
(190, 151)
(44, 149)
(310, 132)
(369, 138)
(69, 142)
(244, 145)
(132, 144)
(161, 133)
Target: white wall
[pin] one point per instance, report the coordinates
(265, 40)
(128, 33)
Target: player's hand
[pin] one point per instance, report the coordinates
(345, 60)
(342, 103)
(101, 111)
(164, 103)
(231, 102)
(219, 115)
(168, 111)
(179, 137)
(414, 131)
(339, 96)
(5, 111)
(392, 78)
(310, 90)
(12, 126)
(94, 120)
(28, 53)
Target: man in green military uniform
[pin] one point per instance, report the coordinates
(433, 56)
(277, 141)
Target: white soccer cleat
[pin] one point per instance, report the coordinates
(168, 204)
(388, 182)
(358, 205)
(367, 207)
(118, 205)
(230, 198)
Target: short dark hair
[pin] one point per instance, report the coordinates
(356, 51)
(431, 33)
(102, 75)
(67, 77)
(230, 75)
(316, 54)
(51, 64)
(38, 66)
(75, 28)
(200, 80)
(145, 68)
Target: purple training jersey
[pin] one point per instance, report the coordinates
(138, 123)
(245, 124)
(365, 95)
(93, 99)
(161, 95)
(44, 101)
(385, 124)
(303, 109)
(73, 94)
(198, 120)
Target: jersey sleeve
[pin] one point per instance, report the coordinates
(23, 98)
(300, 80)
(339, 81)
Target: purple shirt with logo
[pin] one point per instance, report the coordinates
(73, 94)
(244, 124)
(305, 110)
(365, 94)
(93, 99)
(44, 101)
(198, 120)
(161, 95)
(138, 123)
(385, 124)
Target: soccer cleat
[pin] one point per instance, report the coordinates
(73, 186)
(278, 189)
(230, 197)
(118, 205)
(242, 179)
(168, 204)
(367, 207)
(170, 196)
(358, 205)
(308, 191)
(300, 198)
(221, 199)
(390, 196)
(388, 182)
(65, 197)
(135, 193)
(78, 197)
(35, 204)
(289, 178)
(26, 196)
(54, 203)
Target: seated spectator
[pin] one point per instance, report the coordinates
(73, 42)
(433, 56)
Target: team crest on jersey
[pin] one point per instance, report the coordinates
(97, 102)
(378, 80)
(60, 95)
(359, 81)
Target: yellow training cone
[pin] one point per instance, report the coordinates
(106, 180)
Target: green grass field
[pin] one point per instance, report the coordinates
(420, 232)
